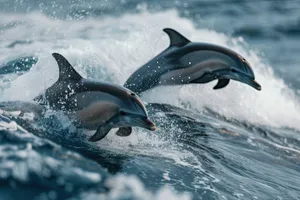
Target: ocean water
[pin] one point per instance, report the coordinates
(235, 143)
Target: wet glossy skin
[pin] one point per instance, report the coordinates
(191, 62)
(95, 103)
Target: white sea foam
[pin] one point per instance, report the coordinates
(120, 185)
(112, 48)
(129, 187)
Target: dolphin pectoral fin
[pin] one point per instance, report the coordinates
(124, 131)
(101, 132)
(221, 83)
(176, 39)
(66, 71)
(103, 129)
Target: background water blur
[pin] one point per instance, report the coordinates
(231, 144)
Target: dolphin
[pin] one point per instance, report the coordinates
(186, 62)
(95, 105)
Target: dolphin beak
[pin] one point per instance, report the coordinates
(248, 80)
(147, 124)
(256, 85)
(252, 83)
(150, 125)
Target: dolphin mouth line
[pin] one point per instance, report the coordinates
(253, 83)
(144, 123)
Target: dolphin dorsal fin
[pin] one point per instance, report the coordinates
(176, 39)
(66, 71)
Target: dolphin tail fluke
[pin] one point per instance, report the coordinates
(66, 71)
(124, 131)
(176, 39)
(221, 83)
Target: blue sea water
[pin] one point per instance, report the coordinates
(236, 143)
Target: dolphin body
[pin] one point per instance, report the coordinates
(95, 105)
(185, 62)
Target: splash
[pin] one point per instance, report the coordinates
(113, 48)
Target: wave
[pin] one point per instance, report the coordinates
(111, 49)
(58, 172)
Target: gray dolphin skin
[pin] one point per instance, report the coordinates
(95, 105)
(186, 62)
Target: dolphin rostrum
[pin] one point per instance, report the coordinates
(95, 105)
(185, 62)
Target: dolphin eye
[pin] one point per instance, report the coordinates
(122, 113)
(244, 60)
(132, 94)
(233, 70)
